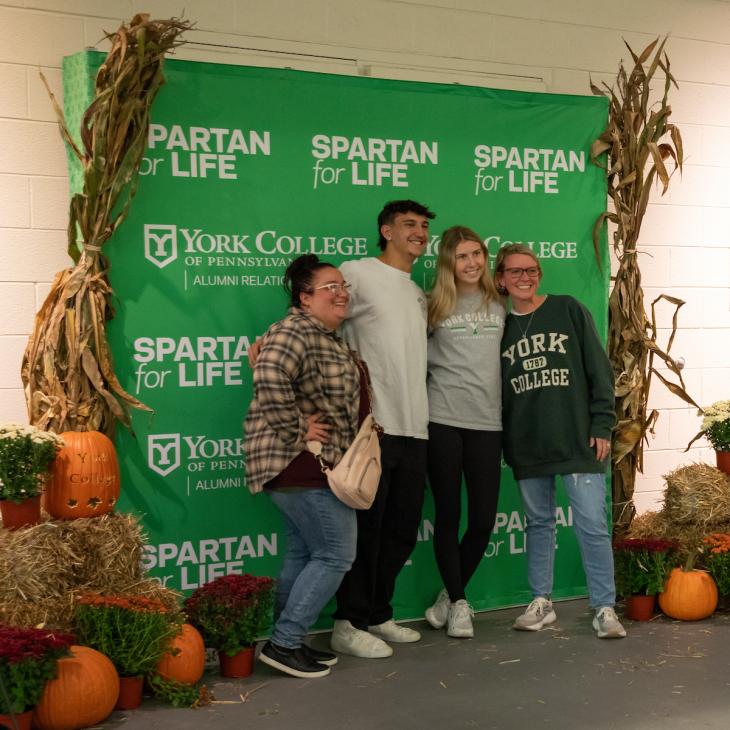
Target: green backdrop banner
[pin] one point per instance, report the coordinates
(247, 168)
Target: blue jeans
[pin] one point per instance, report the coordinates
(587, 495)
(321, 535)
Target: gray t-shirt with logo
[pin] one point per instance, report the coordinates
(464, 382)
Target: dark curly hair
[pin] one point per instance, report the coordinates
(393, 208)
(298, 276)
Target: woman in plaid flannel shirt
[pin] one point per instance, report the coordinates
(309, 386)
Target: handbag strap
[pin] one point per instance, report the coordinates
(315, 447)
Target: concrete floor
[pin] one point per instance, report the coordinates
(665, 675)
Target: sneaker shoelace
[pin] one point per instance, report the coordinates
(607, 614)
(538, 607)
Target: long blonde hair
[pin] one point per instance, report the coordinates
(442, 298)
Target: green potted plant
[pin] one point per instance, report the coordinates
(133, 631)
(641, 568)
(230, 612)
(718, 562)
(716, 428)
(28, 659)
(26, 455)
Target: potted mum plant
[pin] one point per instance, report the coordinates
(716, 427)
(230, 612)
(718, 562)
(28, 659)
(133, 631)
(26, 456)
(641, 566)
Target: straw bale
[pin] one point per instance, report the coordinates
(689, 537)
(648, 525)
(43, 569)
(697, 495)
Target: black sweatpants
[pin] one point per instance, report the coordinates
(476, 454)
(386, 534)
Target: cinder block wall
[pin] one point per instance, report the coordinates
(520, 44)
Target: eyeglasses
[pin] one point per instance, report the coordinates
(333, 288)
(516, 272)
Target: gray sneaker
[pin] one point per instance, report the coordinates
(460, 616)
(438, 614)
(538, 614)
(607, 625)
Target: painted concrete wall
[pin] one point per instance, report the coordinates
(529, 45)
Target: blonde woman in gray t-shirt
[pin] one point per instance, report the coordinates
(466, 320)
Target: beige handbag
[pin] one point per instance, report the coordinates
(354, 480)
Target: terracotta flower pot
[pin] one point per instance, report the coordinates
(23, 720)
(24, 514)
(239, 665)
(640, 608)
(723, 461)
(130, 693)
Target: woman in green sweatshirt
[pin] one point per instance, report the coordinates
(558, 413)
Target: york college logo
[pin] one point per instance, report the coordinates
(163, 452)
(160, 243)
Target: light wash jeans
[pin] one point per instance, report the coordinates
(321, 536)
(587, 495)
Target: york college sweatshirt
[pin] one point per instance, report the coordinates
(557, 390)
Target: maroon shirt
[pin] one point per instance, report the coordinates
(304, 470)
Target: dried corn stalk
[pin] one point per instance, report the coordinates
(638, 140)
(67, 368)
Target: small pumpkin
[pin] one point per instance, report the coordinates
(188, 664)
(83, 694)
(689, 595)
(85, 477)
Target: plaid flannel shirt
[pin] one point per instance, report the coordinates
(302, 369)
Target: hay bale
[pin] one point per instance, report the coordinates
(648, 525)
(657, 525)
(697, 495)
(43, 569)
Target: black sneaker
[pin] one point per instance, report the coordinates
(323, 657)
(294, 662)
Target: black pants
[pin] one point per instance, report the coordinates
(386, 534)
(451, 452)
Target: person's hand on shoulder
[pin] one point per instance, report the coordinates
(254, 351)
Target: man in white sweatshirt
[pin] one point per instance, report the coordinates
(387, 326)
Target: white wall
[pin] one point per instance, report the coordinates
(552, 46)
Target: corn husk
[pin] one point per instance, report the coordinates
(638, 142)
(67, 369)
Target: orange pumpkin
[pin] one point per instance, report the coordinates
(689, 595)
(85, 477)
(189, 664)
(83, 694)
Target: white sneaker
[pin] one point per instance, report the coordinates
(346, 639)
(538, 614)
(607, 625)
(460, 616)
(438, 614)
(391, 631)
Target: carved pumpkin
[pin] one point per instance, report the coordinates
(83, 694)
(189, 664)
(85, 477)
(689, 595)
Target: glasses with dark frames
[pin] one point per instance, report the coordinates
(516, 272)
